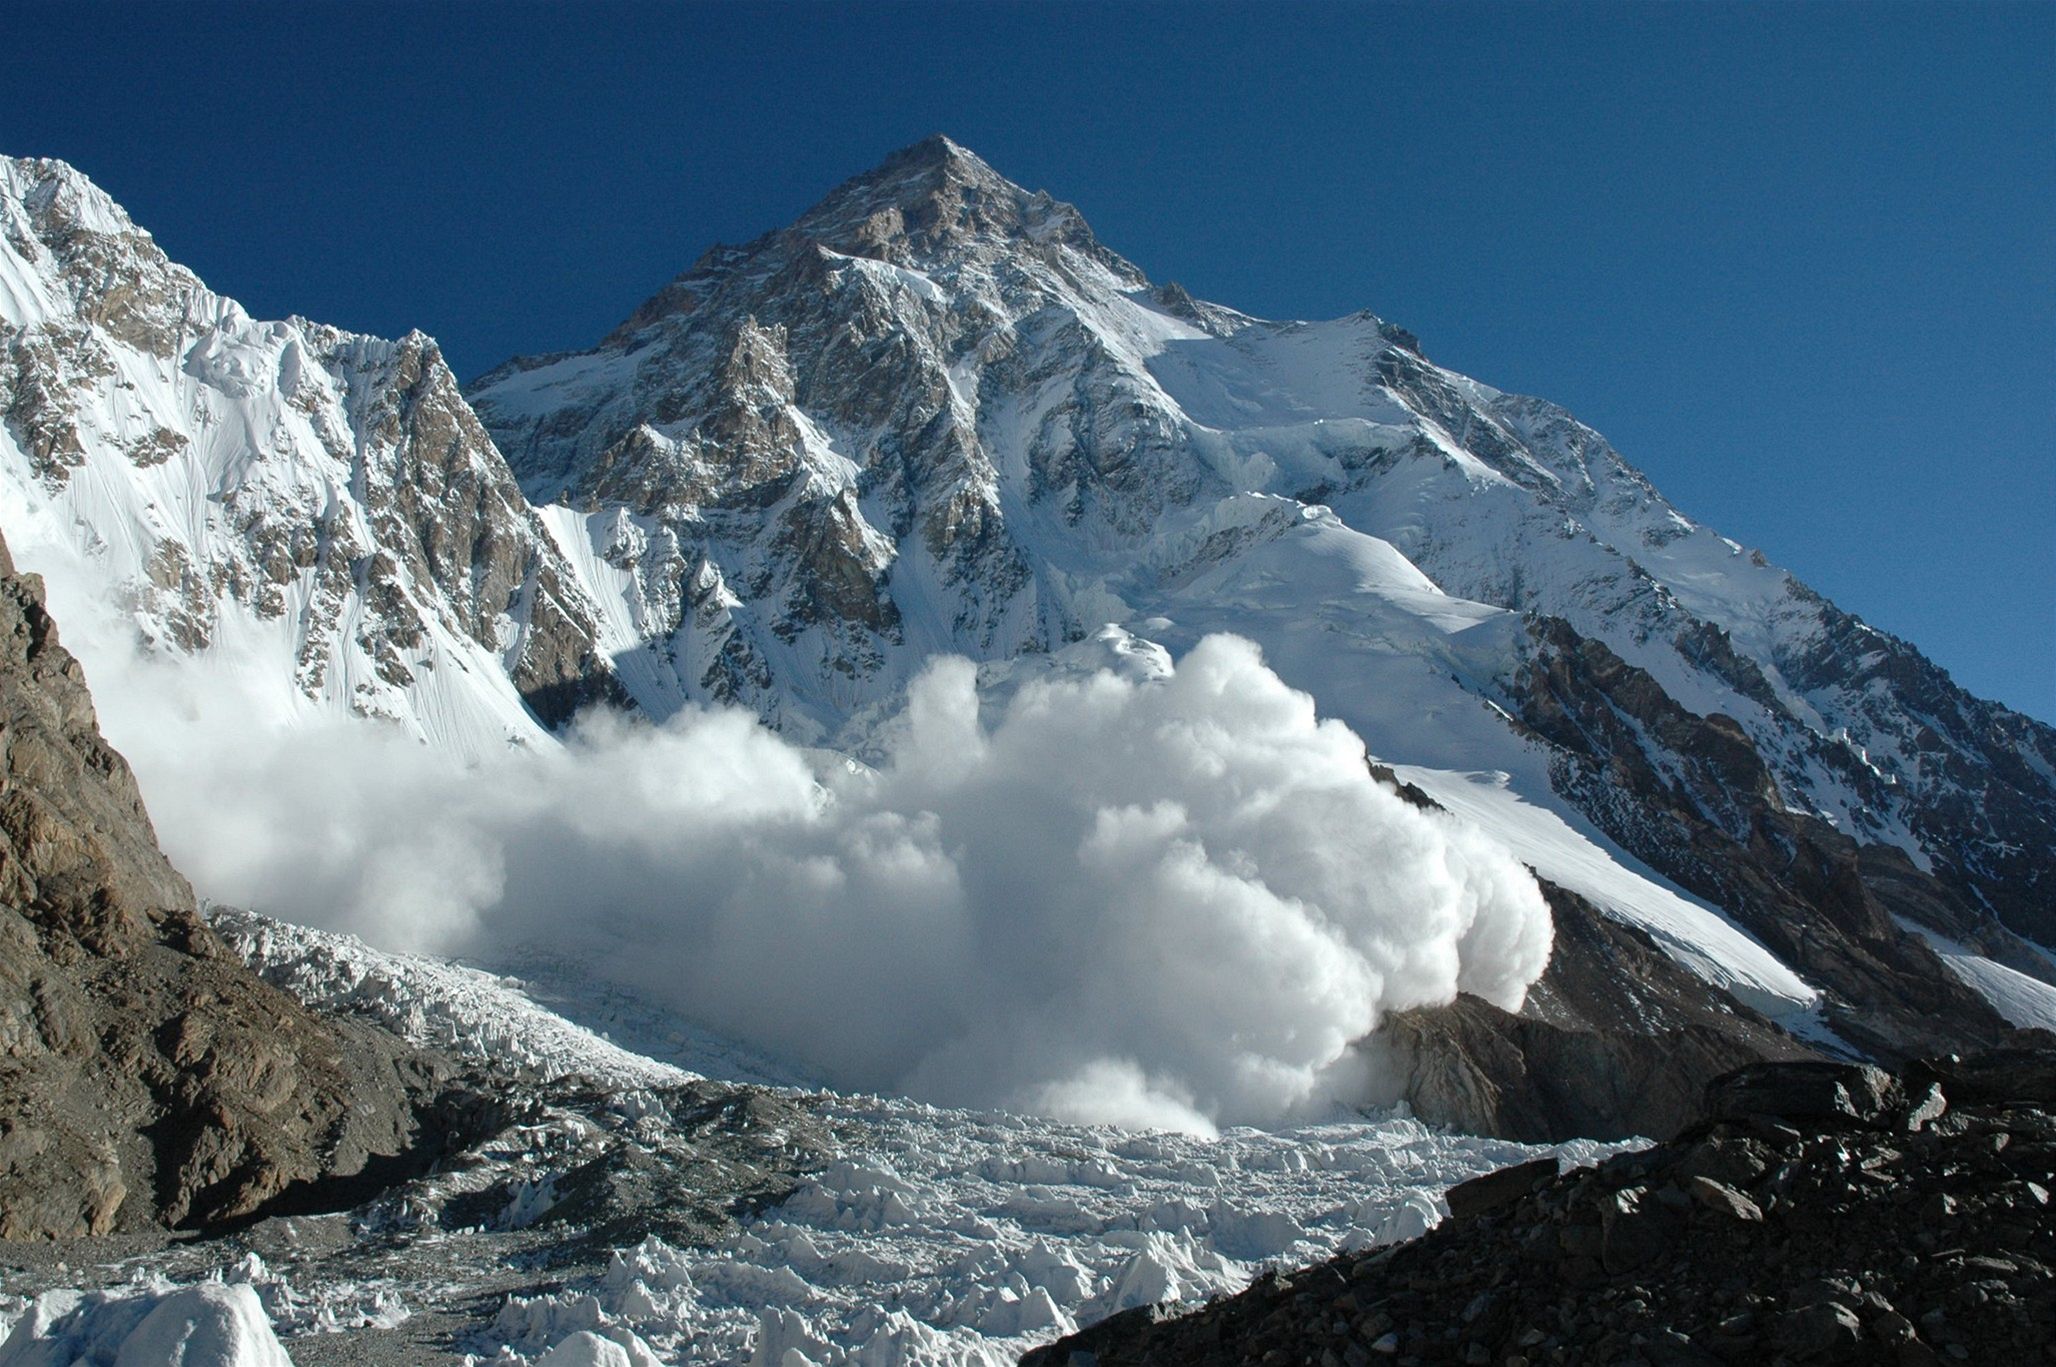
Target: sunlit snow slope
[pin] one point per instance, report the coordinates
(313, 519)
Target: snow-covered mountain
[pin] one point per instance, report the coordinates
(937, 416)
(316, 515)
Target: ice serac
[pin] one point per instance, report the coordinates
(146, 1075)
(317, 513)
(937, 414)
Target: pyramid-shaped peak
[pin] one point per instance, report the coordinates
(915, 176)
(932, 204)
(937, 152)
(937, 198)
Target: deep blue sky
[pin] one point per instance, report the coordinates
(1797, 260)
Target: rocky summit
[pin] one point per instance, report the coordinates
(1815, 1212)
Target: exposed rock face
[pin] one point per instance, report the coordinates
(1818, 1213)
(776, 457)
(686, 1167)
(1694, 797)
(146, 1075)
(1614, 1041)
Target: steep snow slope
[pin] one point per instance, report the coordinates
(1697, 936)
(312, 518)
(2024, 1000)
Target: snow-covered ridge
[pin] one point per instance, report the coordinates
(312, 517)
(1697, 936)
(991, 372)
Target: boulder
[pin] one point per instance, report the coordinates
(1996, 1077)
(1807, 1090)
(1722, 1199)
(1497, 1189)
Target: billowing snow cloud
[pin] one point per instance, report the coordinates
(1170, 900)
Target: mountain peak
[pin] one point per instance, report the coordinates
(934, 184)
(936, 152)
(45, 187)
(930, 204)
(938, 198)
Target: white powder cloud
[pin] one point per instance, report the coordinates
(1168, 901)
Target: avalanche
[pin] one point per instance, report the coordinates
(1093, 892)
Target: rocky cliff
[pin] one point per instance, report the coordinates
(146, 1075)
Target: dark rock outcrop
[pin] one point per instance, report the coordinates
(1615, 1040)
(146, 1075)
(683, 1163)
(1694, 797)
(1819, 1213)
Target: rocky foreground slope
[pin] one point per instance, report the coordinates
(146, 1075)
(1816, 1213)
